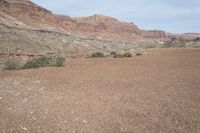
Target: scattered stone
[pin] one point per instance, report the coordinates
(24, 128)
(58, 98)
(37, 81)
(9, 108)
(41, 89)
(84, 121)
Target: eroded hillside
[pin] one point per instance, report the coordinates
(29, 29)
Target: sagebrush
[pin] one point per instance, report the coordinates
(44, 62)
(11, 64)
(98, 55)
(125, 55)
(113, 53)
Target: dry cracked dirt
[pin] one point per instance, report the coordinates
(159, 93)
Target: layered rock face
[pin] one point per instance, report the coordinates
(112, 27)
(29, 29)
(25, 14)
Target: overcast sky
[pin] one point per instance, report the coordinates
(177, 16)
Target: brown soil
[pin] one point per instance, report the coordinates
(156, 93)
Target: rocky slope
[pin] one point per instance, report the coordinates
(29, 29)
(29, 15)
(16, 41)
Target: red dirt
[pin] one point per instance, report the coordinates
(156, 93)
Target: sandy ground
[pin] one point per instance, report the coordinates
(159, 93)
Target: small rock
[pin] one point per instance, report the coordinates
(77, 102)
(1, 98)
(84, 121)
(24, 128)
(41, 89)
(9, 108)
(37, 81)
(16, 82)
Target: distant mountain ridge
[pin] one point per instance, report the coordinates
(29, 15)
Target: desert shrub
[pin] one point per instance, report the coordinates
(60, 61)
(138, 54)
(123, 55)
(118, 56)
(44, 62)
(34, 63)
(127, 54)
(98, 55)
(197, 39)
(37, 62)
(11, 65)
(113, 53)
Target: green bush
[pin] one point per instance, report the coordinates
(11, 65)
(113, 53)
(37, 62)
(98, 55)
(34, 63)
(127, 54)
(123, 55)
(138, 54)
(60, 61)
(43, 62)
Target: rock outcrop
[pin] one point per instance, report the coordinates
(26, 14)
(29, 29)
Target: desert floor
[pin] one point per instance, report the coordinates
(159, 93)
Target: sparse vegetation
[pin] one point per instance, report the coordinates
(138, 54)
(60, 61)
(34, 63)
(127, 54)
(43, 62)
(113, 53)
(11, 65)
(98, 55)
(118, 56)
(123, 55)
(37, 62)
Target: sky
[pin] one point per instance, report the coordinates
(175, 16)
